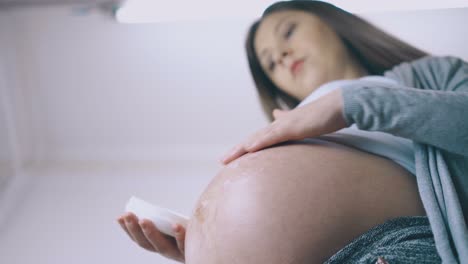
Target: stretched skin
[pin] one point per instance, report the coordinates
(296, 202)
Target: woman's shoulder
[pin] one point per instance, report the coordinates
(432, 58)
(427, 70)
(432, 61)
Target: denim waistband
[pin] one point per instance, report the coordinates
(401, 240)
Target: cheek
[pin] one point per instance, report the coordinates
(283, 80)
(317, 64)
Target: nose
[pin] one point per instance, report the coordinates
(284, 55)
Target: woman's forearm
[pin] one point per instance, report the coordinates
(430, 104)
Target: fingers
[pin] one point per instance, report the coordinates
(233, 154)
(240, 150)
(146, 235)
(162, 243)
(266, 137)
(121, 221)
(180, 237)
(278, 113)
(135, 231)
(271, 135)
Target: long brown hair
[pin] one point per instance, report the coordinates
(376, 50)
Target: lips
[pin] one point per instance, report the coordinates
(296, 66)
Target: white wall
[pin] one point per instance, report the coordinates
(14, 100)
(13, 180)
(6, 155)
(104, 111)
(101, 90)
(441, 32)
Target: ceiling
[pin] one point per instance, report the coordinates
(17, 3)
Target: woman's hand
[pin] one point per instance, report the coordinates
(323, 116)
(147, 236)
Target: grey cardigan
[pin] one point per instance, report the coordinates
(430, 107)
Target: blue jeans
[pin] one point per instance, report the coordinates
(402, 240)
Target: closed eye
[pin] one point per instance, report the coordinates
(290, 31)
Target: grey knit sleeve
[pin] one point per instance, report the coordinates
(435, 113)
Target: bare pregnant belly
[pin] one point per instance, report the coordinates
(296, 203)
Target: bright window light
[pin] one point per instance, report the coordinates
(147, 11)
(150, 11)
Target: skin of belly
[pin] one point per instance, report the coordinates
(296, 203)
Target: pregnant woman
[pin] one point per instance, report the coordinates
(366, 163)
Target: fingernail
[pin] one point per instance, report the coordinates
(176, 228)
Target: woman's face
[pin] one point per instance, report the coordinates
(299, 52)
